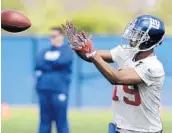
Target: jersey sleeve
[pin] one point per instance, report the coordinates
(149, 74)
(116, 55)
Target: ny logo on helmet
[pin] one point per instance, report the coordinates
(154, 23)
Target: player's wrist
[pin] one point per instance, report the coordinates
(95, 57)
(90, 55)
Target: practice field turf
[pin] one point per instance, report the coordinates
(25, 120)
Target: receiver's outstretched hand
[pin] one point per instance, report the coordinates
(78, 41)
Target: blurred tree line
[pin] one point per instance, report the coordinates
(94, 16)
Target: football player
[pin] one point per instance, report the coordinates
(139, 77)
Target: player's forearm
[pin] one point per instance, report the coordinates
(109, 72)
(104, 54)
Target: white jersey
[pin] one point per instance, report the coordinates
(136, 107)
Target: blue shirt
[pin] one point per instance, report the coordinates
(54, 68)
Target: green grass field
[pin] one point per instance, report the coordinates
(25, 120)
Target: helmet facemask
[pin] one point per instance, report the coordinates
(133, 37)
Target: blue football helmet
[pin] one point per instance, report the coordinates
(144, 33)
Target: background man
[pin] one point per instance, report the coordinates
(53, 70)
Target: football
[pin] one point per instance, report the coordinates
(14, 21)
